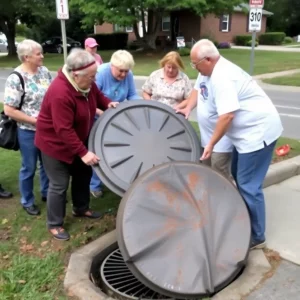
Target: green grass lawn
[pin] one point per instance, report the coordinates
(292, 45)
(291, 80)
(265, 61)
(32, 264)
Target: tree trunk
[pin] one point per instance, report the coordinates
(143, 22)
(9, 29)
(153, 29)
(136, 30)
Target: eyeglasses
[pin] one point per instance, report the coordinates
(194, 65)
(121, 70)
(92, 78)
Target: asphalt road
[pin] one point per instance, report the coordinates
(287, 102)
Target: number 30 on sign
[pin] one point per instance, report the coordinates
(255, 18)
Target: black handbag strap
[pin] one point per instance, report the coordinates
(23, 87)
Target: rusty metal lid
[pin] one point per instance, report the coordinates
(184, 230)
(137, 136)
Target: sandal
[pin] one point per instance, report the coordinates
(88, 214)
(59, 234)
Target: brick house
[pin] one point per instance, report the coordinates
(192, 27)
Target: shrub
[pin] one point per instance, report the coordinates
(272, 38)
(242, 40)
(249, 43)
(224, 45)
(111, 41)
(184, 51)
(288, 40)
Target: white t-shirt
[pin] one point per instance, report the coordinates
(256, 120)
(207, 116)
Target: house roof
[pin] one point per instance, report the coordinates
(245, 7)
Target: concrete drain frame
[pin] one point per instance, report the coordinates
(81, 280)
(86, 261)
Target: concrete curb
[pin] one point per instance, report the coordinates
(277, 74)
(254, 272)
(283, 170)
(78, 281)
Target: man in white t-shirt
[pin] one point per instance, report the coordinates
(247, 116)
(220, 159)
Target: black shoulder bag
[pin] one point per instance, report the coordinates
(8, 126)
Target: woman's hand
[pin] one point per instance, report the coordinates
(113, 104)
(181, 105)
(90, 159)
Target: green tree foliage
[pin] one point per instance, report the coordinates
(129, 12)
(39, 16)
(26, 11)
(286, 16)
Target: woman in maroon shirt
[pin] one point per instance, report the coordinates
(62, 132)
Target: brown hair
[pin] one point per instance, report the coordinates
(173, 58)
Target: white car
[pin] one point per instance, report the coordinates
(3, 45)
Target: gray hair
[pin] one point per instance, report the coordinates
(122, 59)
(26, 48)
(206, 48)
(78, 58)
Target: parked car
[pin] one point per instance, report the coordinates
(4, 45)
(55, 45)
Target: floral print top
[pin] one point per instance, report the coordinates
(170, 94)
(36, 86)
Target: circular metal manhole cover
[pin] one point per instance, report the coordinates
(184, 230)
(137, 136)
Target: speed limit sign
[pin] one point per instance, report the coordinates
(255, 18)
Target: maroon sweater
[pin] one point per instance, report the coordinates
(66, 118)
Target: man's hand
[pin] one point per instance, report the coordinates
(90, 159)
(184, 111)
(113, 104)
(207, 152)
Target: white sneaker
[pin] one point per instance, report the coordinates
(97, 194)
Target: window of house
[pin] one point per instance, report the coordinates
(118, 28)
(129, 29)
(166, 23)
(225, 23)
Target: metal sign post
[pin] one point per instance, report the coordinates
(255, 18)
(252, 52)
(62, 11)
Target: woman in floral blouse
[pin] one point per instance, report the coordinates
(168, 85)
(36, 79)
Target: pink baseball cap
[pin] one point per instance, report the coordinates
(90, 42)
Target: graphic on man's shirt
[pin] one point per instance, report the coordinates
(204, 90)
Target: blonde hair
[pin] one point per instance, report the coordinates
(122, 59)
(173, 58)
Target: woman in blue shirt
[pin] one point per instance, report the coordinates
(115, 80)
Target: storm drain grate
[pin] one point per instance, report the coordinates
(117, 280)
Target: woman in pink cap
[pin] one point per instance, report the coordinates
(91, 47)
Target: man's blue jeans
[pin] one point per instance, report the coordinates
(95, 183)
(249, 171)
(30, 156)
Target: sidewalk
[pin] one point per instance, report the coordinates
(283, 225)
(270, 48)
(260, 77)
